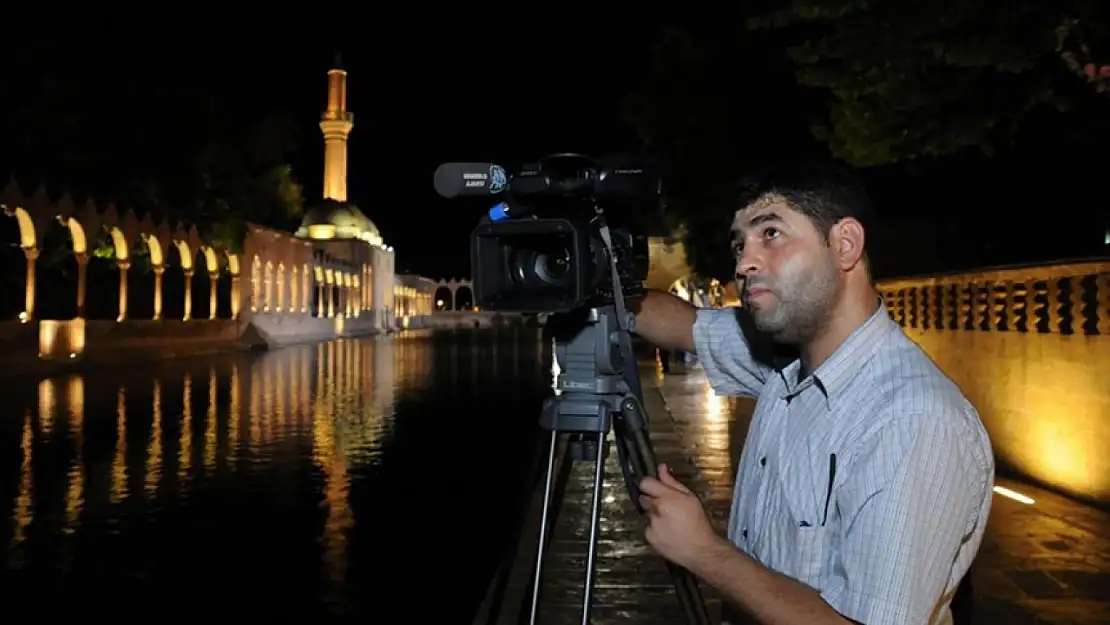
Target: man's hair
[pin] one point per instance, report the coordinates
(824, 192)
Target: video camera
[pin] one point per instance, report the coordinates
(546, 247)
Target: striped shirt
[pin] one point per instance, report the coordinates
(869, 480)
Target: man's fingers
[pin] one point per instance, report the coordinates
(668, 480)
(653, 487)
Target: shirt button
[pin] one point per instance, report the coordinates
(763, 461)
(744, 533)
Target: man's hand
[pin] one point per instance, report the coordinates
(677, 525)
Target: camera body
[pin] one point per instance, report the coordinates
(544, 251)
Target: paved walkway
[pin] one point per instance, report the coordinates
(1048, 562)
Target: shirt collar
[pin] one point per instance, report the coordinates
(833, 375)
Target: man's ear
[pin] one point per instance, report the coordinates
(847, 241)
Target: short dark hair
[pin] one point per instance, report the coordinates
(824, 192)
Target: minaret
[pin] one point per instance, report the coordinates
(336, 123)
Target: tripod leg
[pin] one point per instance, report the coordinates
(633, 439)
(595, 521)
(543, 525)
(558, 496)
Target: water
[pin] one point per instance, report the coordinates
(350, 481)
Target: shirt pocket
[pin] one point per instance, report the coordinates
(809, 524)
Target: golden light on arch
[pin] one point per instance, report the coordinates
(210, 259)
(27, 238)
(233, 263)
(185, 253)
(77, 232)
(119, 242)
(155, 248)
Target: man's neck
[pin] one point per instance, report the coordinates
(852, 313)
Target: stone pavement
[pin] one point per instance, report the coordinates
(1048, 562)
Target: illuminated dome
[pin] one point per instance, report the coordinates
(331, 220)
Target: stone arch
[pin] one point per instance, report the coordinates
(177, 261)
(211, 259)
(464, 297)
(184, 253)
(108, 265)
(141, 280)
(202, 294)
(453, 287)
(77, 232)
(27, 236)
(444, 295)
(233, 263)
(60, 275)
(157, 257)
(119, 242)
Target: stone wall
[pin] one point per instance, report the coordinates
(1030, 347)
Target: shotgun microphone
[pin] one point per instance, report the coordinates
(454, 180)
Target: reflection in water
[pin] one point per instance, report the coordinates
(358, 473)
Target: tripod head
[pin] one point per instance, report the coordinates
(597, 370)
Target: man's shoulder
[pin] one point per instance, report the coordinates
(909, 390)
(908, 379)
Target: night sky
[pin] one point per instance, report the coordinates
(425, 86)
(420, 95)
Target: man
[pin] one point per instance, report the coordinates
(865, 483)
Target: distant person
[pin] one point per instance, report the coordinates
(865, 482)
(665, 360)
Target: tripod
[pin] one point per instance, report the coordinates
(599, 389)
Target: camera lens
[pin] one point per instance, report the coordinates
(552, 268)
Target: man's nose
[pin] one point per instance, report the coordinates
(747, 264)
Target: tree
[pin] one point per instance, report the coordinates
(246, 178)
(936, 77)
(894, 87)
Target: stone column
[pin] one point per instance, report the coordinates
(213, 289)
(82, 279)
(188, 294)
(29, 292)
(158, 271)
(123, 265)
(235, 296)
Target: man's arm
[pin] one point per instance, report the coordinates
(909, 506)
(714, 334)
(665, 320)
(771, 598)
(907, 509)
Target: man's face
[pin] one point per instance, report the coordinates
(788, 273)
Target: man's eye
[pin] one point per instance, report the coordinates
(771, 233)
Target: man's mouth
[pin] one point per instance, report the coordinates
(756, 291)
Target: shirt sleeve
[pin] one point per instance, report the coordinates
(722, 349)
(909, 502)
